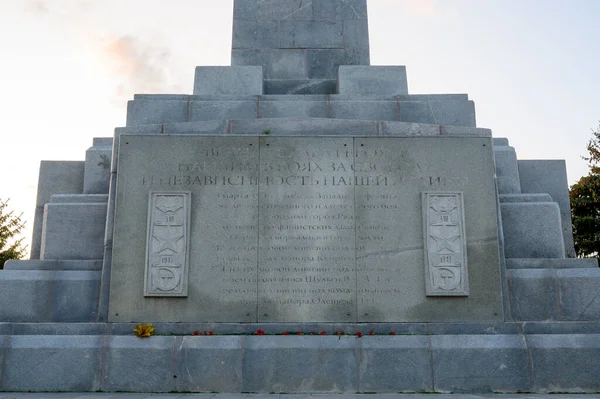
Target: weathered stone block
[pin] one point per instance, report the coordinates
(340, 9)
(255, 34)
(74, 296)
(320, 365)
(210, 364)
(455, 113)
(480, 363)
(365, 110)
(390, 128)
(56, 177)
(550, 176)
(579, 293)
(44, 363)
(300, 87)
(567, 263)
(25, 295)
(137, 365)
(324, 63)
(241, 80)
(532, 230)
(395, 364)
(285, 64)
(294, 109)
(367, 80)
(507, 171)
(211, 110)
(533, 294)
(73, 231)
(83, 265)
(525, 198)
(565, 363)
(97, 168)
(356, 34)
(311, 34)
(272, 9)
(149, 112)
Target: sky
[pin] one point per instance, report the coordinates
(68, 68)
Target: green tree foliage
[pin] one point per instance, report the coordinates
(11, 226)
(585, 203)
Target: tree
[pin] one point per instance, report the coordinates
(585, 203)
(11, 226)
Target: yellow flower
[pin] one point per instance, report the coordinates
(144, 330)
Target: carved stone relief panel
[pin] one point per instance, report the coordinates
(167, 244)
(445, 245)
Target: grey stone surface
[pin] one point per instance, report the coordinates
(285, 64)
(408, 129)
(78, 198)
(398, 364)
(346, 10)
(532, 230)
(137, 365)
(149, 112)
(51, 363)
(42, 295)
(365, 80)
(299, 87)
(534, 294)
(87, 265)
(25, 295)
(272, 9)
(579, 293)
(300, 364)
(97, 167)
(255, 34)
(365, 110)
(73, 231)
(239, 80)
(210, 110)
(567, 263)
(311, 34)
(507, 171)
(500, 141)
(294, 109)
(56, 177)
(464, 131)
(455, 113)
(210, 365)
(577, 356)
(58, 328)
(213, 127)
(324, 63)
(304, 127)
(480, 363)
(525, 198)
(74, 296)
(550, 176)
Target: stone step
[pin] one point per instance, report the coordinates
(554, 294)
(299, 364)
(48, 296)
(539, 263)
(81, 265)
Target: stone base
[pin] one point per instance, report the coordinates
(483, 362)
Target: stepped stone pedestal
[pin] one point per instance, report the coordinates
(301, 190)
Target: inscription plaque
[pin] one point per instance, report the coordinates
(167, 244)
(446, 271)
(307, 229)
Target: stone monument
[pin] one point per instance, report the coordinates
(301, 190)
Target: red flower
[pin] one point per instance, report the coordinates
(195, 333)
(323, 333)
(211, 333)
(260, 332)
(372, 332)
(342, 333)
(300, 333)
(359, 334)
(336, 333)
(285, 333)
(392, 333)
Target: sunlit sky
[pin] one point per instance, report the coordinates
(69, 66)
